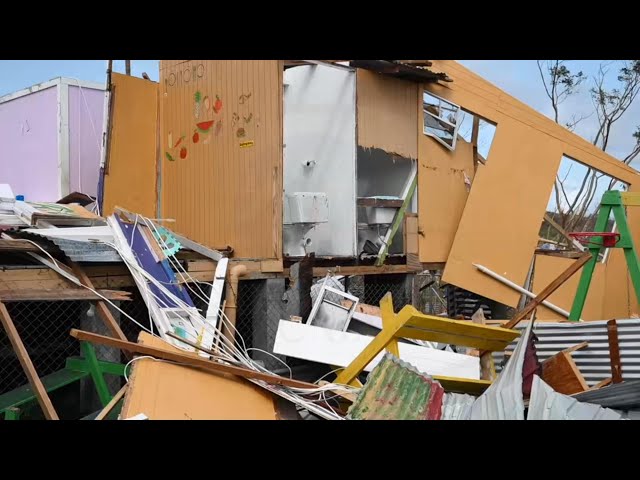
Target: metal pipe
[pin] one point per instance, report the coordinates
(231, 307)
(517, 287)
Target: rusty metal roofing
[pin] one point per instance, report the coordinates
(395, 390)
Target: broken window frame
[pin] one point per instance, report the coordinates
(456, 126)
(321, 299)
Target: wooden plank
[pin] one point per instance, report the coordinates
(379, 202)
(112, 403)
(27, 364)
(601, 384)
(576, 244)
(579, 346)
(55, 295)
(186, 359)
(552, 287)
(614, 351)
(456, 332)
(102, 308)
(562, 374)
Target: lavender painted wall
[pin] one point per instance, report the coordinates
(86, 107)
(29, 145)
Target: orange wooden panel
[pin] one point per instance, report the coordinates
(387, 113)
(221, 137)
(130, 180)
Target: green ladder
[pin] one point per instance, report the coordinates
(612, 201)
(76, 368)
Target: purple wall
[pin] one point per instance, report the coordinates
(86, 108)
(29, 145)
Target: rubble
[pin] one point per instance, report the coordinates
(317, 234)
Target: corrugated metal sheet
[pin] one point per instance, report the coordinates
(87, 251)
(592, 361)
(623, 396)
(395, 390)
(223, 184)
(387, 113)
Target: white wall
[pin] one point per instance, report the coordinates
(320, 128)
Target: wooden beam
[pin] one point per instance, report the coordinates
(27, 364)
(614, 351)
(563, 232)
(56, 295)
(378, 202)
(577, 347)
(112, 403)
(102, 308)
(552, 287)
(186, 359)
(563, 375)
(601, 384)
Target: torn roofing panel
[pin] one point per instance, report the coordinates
(547, 404)
(397, 391)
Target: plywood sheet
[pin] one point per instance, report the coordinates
(387, 113)
(223, 186)
(500, 222)
(165, 391)
(548, 268)
(442, 195)
(562, 374)
(130, 181)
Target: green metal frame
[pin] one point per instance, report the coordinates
(76, 368)
(612, 201)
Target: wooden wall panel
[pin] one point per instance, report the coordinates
(499, 226)
(387, 113)
(130, 181)
(442, 195)
(548, 268)
(500, 223)
(227, 190)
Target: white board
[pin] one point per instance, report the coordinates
(337, 348)
(320, 129)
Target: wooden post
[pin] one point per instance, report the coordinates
(27, 364)
(614, 351)
(127, 67)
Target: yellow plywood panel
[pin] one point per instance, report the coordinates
(130, 176)
(442, 194)
(387, 113)
(222, 180)
(500, 223)
(166, 391)
(548, 268)
(463, 385)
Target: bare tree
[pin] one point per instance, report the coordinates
(610, 104)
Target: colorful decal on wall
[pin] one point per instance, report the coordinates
(240, 133)
(182, 137)
(183, 153)
(170, 139)
(218, 105)
(198, 100)
(207, 103)
(234, 119)
(247, 120)
(196, 136)
(243, 98)
(205, 127)
(169, 157)
(218, 128)
(250, 143)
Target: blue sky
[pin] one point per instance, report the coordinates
(519, 78)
